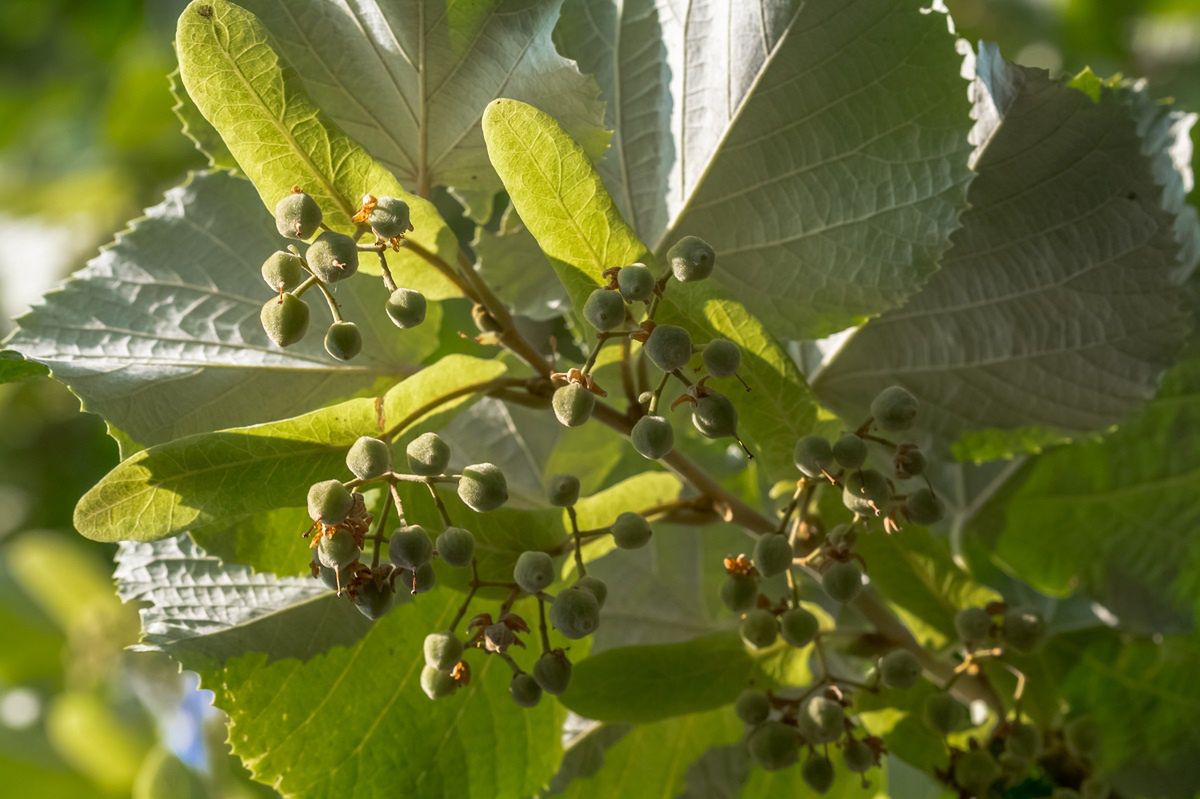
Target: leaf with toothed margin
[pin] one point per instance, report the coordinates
(199, 130)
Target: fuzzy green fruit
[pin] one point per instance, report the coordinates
(406, 308)
(297, 216)
(858, 757)
(329, 502)
(283, 271)
(721, 357)
(442, 650)
(974, 625)
(437, 683)
(715, 416)
(594, 586)
(813, 456)
(573, 404)
(823, 720)
(842, 580)
(772, 554)
(390, 218)
(456, 546)
(631, 530)
(636, 283)
(332, 257)
(774, 745)
(419, 580)
(604, 309)
(818, 773)
(923, 507)
(1023, 629)
(850, 451)
(899, 669)
(894, 409)
(533, 571)
(798, 627)
(691, 258)
(410, 547)
(525, 690)
(482, 487)
(908, 462)
(739, 592)
(669, 347)
(338, 550)
(343, 341)
(752, 707)
(652, 436)
(759, 628)
(575, 613)
(374, 600)
(369, 458)
(284, 319)
(427, 455)
(976, 770)
(563, 490)
(553, 672)
(866, 492)
(944, 714)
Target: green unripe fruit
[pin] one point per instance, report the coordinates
(374, 600)
(974, 625)
(329, 502)
(842, 581)
(1023, 740)
(297, 216)
(752, 707)
(759, 628)
(332, 257)
(335, 579)
(866, 492)
(456, 546)
(842, 535)
(894, 409)
(909, 462)
(1023, 629)
(343, 341)
(652, 437)
(631, 530)
(818, 773)
(669, 347)
(857, 756)
(284, 319)
(437, 683)
(368, 458)
(850, 451)
(739, 592)
(553, 672)
(721, 357)
(594, 586)
(772, 554)
(1012, 765)
(442, 650)
(975, 770)
(427, 455)
(636, 283)
(533, 571)
(406, 308)
(525, 690)
(798, 627)
(283, 271)
(824, 720)
(390, 218)
(410, 547)
(944, 714)
(813, 456)
(1083, 737)
(604, 309)
(714, 416)
(899, 669)
(563, 490)
(338, 550)
(1095, 788)
(691, 258)
(923, 507)
(573, 404)
(482, 487)
(419, 580)
(575, 613)
(774, 745)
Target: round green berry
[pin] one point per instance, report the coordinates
(944, 714)
(573, 404)
(332, 257)
(329, 502)
(410, 547)
(866, 492)
(343, 341)
(297, 216)
(1023, 740)
(909, 462)
(1082, 735)
(575, 613)
(850, 451)
(563, 490)
(284, 319)
(374, 599)
(437, 683)
(739, 592)
(369, 458)
(631, 530)
(813, 456)
(652, 437)
(899, 669)
(419, 580)
(406, 308)
(338, 550)
(390, 218)
(525, 690)
(894, 409)
(533, 571)
(976, 770)
(858, 757)
(1023, 629)
(752, 707)
(283, 271)
(669, 347)
(427, 455)
(774, 745)
(691, 258)
(553, 672)
(604, 309)
(974, 625)
(772, 554)
(636, 283)
(759, 628)
(1094, 788)
(798, 627)
(842, 580)
(824, 719)
(923, 507)
(482, 487)
(817, 772)
(456, 546)
(715, 416)
(721, 357)
(442, 650)
(595, 586)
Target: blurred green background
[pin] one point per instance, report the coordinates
(87, 139)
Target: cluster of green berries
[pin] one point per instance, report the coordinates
(330, 258)
(1019, 628)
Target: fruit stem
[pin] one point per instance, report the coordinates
(601, 340)
(578, 542)
(334, 310)
(657, 395)
(378, 537)
(399, 504)
(631, 394)
(545, 633)
(388, 281)
(306, 285)
(462, 609)
(430, 483)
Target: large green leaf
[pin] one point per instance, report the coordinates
(280, 139)
(14, 368)
(225, 476)
(1055, 306)
(820, 146)
(409, 79)
(160, 333)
